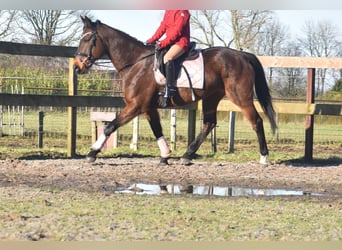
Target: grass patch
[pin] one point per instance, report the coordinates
(25, 148)
(37, 214)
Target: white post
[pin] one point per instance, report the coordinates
(173, 129)
(231, 131)
(134, 144)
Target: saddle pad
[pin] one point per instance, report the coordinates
(194, 69)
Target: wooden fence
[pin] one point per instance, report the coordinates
(309, 108)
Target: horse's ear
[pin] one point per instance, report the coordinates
(82, 18)
(86, 21)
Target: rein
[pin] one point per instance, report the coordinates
(138, 60)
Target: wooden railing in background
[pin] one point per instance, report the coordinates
(309, 108)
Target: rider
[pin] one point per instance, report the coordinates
(176, 26)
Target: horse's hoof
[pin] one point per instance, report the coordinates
(163, 189)
(185, 162)
(264, 160)
(188, 189)
(91, 157)
(163, 161)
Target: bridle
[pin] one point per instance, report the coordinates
(90, 58)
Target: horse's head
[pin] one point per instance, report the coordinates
(90, 48)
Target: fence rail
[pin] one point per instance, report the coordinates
(308, 108)
(108, 101)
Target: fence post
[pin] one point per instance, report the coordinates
(309, 119)
(231, 138)
(72, 111)
(40, 129)
(173, 134)
(213, 140)
(134, 144)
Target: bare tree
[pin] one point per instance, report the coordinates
(320, 39)
(209, 27)
(51, 27)
(270, 41)
(220, 27)
(271, 38)
(246, 25)
(291, 81)
(338, 73)
(7, 18)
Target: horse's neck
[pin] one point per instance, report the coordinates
(122, 49)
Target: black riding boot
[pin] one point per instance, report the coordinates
(170, 88)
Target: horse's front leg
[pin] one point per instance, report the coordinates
(154, 120)
(126, 115)
(98, 145)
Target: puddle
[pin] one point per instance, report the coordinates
(152, 189)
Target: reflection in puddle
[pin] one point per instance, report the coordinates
(152, 189)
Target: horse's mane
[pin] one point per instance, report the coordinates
(129, 37)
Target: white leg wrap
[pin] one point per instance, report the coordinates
(165, 151)
(264, 159)
(99, 143)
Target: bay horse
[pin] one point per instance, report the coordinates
(227, 72)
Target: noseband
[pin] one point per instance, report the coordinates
(89, 55)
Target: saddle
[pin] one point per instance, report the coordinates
(189, 69)
(191, 54)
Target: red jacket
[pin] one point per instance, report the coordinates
(176, 26)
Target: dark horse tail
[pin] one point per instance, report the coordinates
(262, 91)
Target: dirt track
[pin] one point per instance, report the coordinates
(107, 174)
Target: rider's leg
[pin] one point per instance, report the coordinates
(171, 89)
(173, 53)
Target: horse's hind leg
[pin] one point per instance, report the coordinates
(194, 145)
(209, 122)
(257, 124)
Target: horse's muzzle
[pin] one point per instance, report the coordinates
(76, 69)
(79, 67)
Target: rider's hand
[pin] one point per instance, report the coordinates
(148, 43)
(157, 46)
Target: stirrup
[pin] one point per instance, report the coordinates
(172, 91)
(163, 101)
